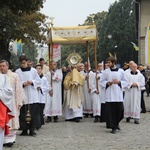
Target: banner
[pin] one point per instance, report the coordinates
(19, 46)
(134, 46)
(14, 47)
(56, 52)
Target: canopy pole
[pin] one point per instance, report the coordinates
(50, 53)
(95, 59)
(51, 57)
(87, 57)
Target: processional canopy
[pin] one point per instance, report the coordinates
(72, 35)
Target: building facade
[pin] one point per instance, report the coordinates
(143, 19)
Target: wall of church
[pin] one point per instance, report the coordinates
(145, 19)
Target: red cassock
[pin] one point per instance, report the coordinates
(4, 117)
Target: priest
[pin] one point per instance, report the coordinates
(53, 106)
(132, 100)
(87, 103)
(5, 107)
(18, 100)
(74, 97)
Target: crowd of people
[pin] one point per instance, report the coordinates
(33, 93)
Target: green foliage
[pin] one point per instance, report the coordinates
(22, 5)
(30, 51)
(21, 20)
(21, 26)
(120, 23)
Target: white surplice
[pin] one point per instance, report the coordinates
(53, 106)
(132, 99)
(31, 92)
(95, 98)
(6, 92)
(113, 93)
(42, 93)
(101, 89)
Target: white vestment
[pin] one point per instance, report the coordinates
(101, 89)
(113, 93)
(87, 103)
(18, 99)
(132, 99)
(6, 94)
(1, 138)
(95, 98)
(71, 113)
(42, 93)
(31, 92)
(53, 106)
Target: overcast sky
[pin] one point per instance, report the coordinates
(73, 12)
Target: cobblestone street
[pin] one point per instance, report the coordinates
(87, 135)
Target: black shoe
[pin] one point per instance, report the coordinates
(55, 119)
(143, 111)
(128, 119)
(91, 115)
(118, 127)
(86, 115)
(49, 119)
(95, 120)
(69, 120)
(24, 133)
(113, 131)
(32, 133)
(8, 144)
(77, 120)
(136, 121)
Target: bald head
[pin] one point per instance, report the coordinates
(134, 67)
(131, 63)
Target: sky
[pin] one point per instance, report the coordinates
(73, 12)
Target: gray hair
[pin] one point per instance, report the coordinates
(2, 61)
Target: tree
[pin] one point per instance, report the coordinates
(120, 23)
(20, 20)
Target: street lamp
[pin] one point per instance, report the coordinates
(109, 36)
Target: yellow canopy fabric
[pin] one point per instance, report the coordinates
(72, 35)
